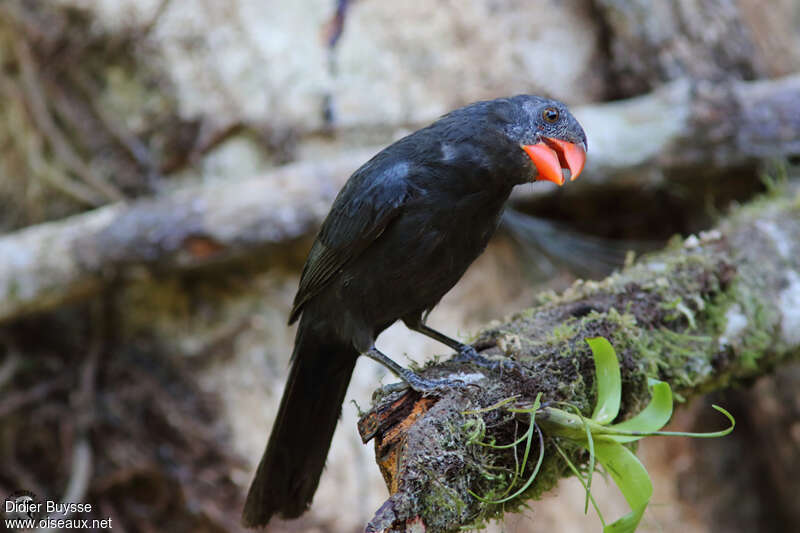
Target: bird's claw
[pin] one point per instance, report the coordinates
(435, 387)
(468, 354)
(438, 387)
(427, 387)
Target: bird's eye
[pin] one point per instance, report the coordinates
(550, 114)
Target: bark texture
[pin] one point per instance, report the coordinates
(650, 44)
(714, 310)
(51, 264)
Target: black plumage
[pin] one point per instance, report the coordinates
(399, 235)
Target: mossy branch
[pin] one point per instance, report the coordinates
(703, 314)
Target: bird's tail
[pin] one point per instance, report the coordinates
(290, 468)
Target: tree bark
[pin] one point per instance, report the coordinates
(653, 43)
(692, 127)
(712, 311)
(52, 264)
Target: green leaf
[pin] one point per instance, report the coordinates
(559, 423)
(583, 482)
(609, 383)
(652, 418)
(710, 435)
(590, 447)
(632, 479)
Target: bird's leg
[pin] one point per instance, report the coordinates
(466, 353)
(418, 383)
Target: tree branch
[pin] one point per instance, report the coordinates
(49, 265)
(707, 313)
(680, 128)
(696, 127)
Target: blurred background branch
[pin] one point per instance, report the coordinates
(248, 219)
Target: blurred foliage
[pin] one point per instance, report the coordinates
(84, 121)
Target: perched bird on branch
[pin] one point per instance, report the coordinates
(399, 235)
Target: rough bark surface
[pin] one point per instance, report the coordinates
(704, 314)
(651, 43)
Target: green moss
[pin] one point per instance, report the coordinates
(679, 310)
(682, 359)
(441, 496)
(543, 298)
(756, 336)
(761, 320)
(563, 332)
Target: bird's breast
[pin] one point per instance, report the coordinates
(442, 239)
(419, 257)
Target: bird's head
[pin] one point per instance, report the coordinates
(548, 133)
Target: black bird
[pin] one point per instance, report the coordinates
(399, 235)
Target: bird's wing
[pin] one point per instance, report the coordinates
(372, 197)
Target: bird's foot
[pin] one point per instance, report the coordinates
(468, 354)
(427, 387)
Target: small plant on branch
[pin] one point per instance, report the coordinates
(604, 441)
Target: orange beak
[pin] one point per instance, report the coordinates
(556, 160)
